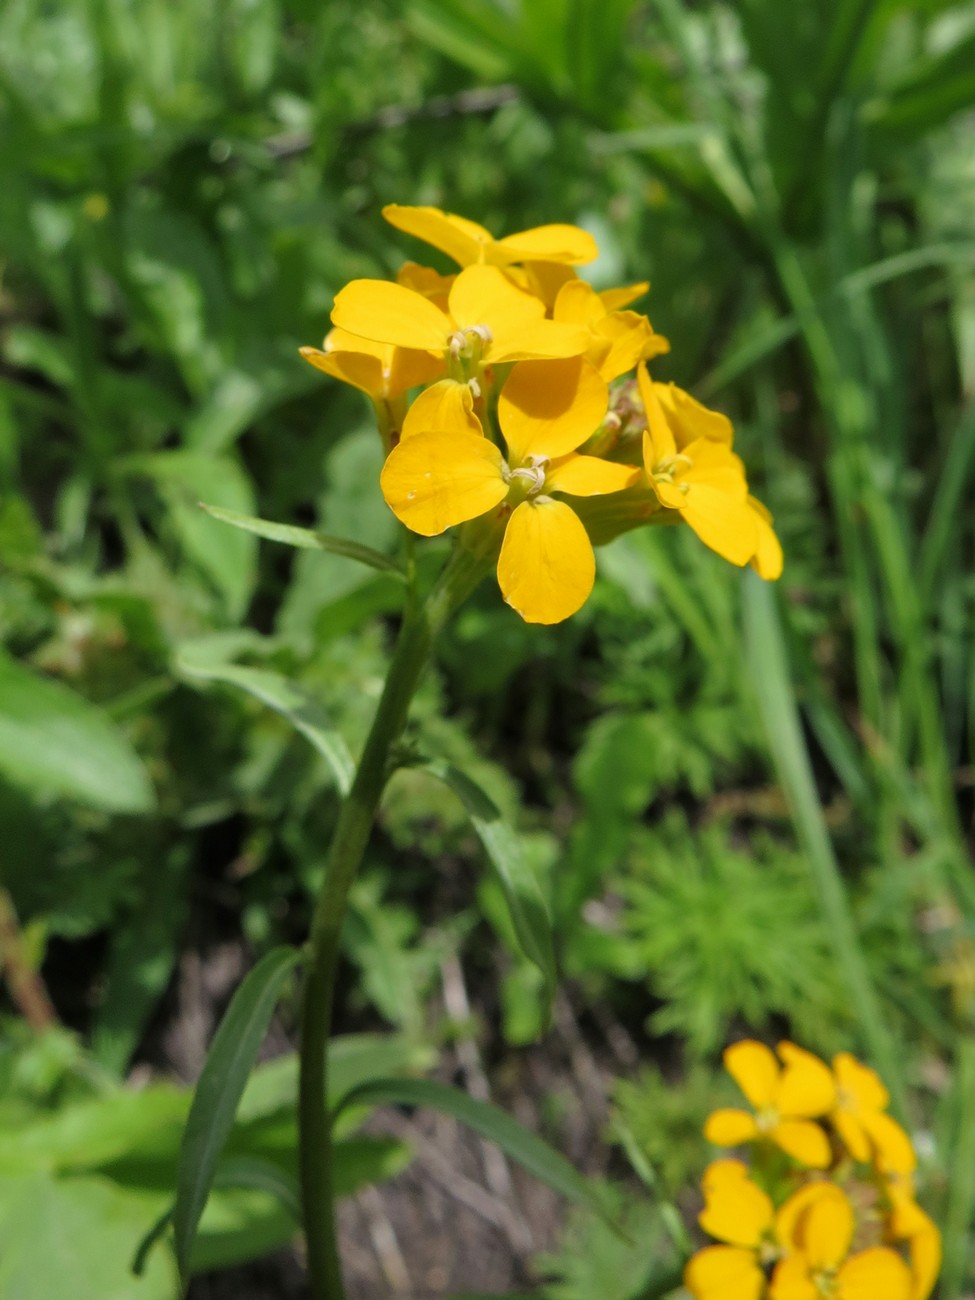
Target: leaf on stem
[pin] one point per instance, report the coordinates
(218, 1091)
(305, 539)
(529, 914)
(288, 698)
(489, 1121)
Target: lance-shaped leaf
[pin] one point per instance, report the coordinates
(305, 539)
(288, 698)
(231, 1058)
(529, 914)
(489, 1121)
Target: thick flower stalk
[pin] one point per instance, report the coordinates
(826, 1207)
(534, 425)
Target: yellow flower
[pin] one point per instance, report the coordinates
(859, 1117)
(617, 339)
(702, 479)
(786, 1101)
(471, 245)
(817, 1228)
(445, 473)
(380, 370)
(488, 320)
(737, 1212)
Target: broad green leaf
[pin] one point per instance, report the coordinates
(219, 1089)
(74, 1237)
(529, 914)
(292, 701)
(304, 538)
(489, 1121)
(53, 741)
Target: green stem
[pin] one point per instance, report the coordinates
(420, 627)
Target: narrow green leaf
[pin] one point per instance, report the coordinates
(529, 914)
(262, 1176)
(961, 1177)
(304, 538)
(489, 1121)
(230, 1060)
(53, 741)
(292, 701)
(144, 1248)
(769, 667)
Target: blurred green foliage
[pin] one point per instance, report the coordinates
(183, 188)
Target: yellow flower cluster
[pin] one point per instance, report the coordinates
(827, 1207)
(529, 427)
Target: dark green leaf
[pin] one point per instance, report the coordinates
(230, 1060)
(292, 701)
(529, 914)
(304, 538)
(516, 1141)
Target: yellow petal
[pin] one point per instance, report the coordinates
(616, 299)
(721, 522)
(767, 560)
(860, 1088)
(548, 408)
(555, 243)
(737, 1212)
(852, 1135)
(791, 1281)
(925, 1252)
(875, 1274)
(435, 480)
(543, 279)
(445, 407)
(342, 341)
(588, 476)
(791, 1215)
(892, 1148)
(804, 1141)
(390, 313)
(730, 1128)
(690, 419)
(827, 1229)
(546, 568)
(485, 296)
(724, 1273)
(806, 1088)
(356, 368)
(537, 341)
(662, 443)
(755, 1070)
(426, 281)
(622, 339)
(465, 241)
(578, 303)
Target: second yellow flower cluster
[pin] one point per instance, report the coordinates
(528, 423)
(827, 1207)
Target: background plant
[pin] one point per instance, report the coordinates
(183, 190)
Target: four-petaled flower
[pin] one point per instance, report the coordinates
(469, 244)
(817, 1229)
(786, 1098)
(443, 474)
(738, 1213)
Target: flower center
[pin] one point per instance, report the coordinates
(469, 344)
(529, 478)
